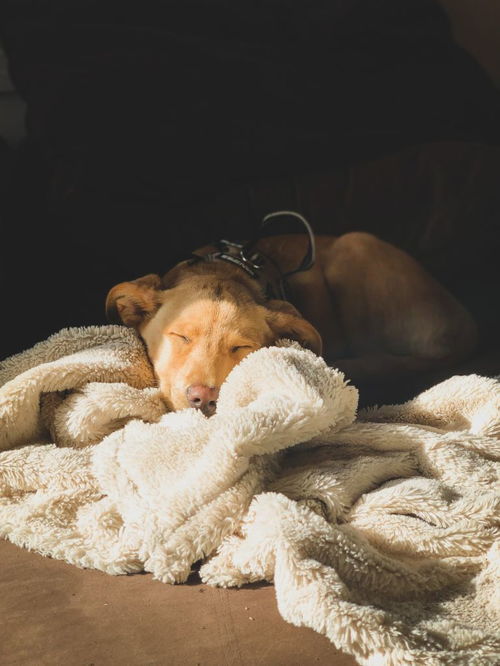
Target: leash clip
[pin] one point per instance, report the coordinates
(251, 262)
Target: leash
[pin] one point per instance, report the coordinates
(255, 263)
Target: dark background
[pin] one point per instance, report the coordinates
(152, 127)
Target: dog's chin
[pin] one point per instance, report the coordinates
(207, 414)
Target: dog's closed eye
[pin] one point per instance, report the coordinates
(184, 338)
(238, 347)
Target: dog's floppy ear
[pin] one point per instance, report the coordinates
(286, 322)
(130, 303)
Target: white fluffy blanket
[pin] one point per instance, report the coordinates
(379, 532)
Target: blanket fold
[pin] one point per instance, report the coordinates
(379, 529)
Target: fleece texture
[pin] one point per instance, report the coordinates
(379, 530)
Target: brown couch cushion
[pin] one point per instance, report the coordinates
(53, 613)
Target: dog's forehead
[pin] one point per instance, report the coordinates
(199, 309)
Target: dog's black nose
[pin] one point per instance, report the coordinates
(203, 397)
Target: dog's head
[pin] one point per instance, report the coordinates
(197, 327)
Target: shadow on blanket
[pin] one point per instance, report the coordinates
(378, 529)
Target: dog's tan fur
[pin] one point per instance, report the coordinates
(377, 311)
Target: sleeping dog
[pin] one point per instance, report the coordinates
(368, 307)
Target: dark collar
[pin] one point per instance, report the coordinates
(256, 264)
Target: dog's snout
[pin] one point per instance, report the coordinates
(203, 397)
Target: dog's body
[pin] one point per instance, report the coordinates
(374, 308)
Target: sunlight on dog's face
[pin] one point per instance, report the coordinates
(197, 331)
(196, 342)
